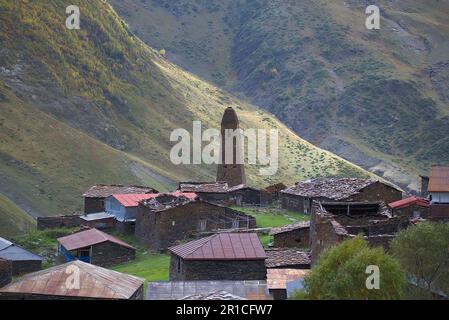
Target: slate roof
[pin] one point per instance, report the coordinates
(439, 179)
(9, 251)
(222, 246)
(164, 201)
(276, 187)
(88, 238)
(215, 295)
(106, 190)
(330, 188)
(132, 200)
(408, 202)
(286, 257)
(278, 278)
(176, 290)
(204, 187)
(290, 227)
(95, 282)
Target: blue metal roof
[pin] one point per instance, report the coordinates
(10, 251)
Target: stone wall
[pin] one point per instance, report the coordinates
(25, 266)
(108, 253)
(292, 202)
(298, 238)
(93, 205)
(160, 230)
(5, 272)
(67, 221)
(377, 192)
(216, 270)
(411, 211)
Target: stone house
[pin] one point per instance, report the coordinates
(412, 207)
(295, 235)
(243, 195)
(5, 272)
(22, 261)
(223, 256)
(279, 280)
(96, 247)
(94, 283)
(167, 219)
(301, 196)
(274, 191)
(333, 222)
(94, 198)
(124, 207)
(216, 192)
(100, 221)
(438, 193)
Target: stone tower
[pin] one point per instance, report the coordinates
(232, 173)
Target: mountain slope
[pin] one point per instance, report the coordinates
(13, 220)
(378, 98)
(97, 105)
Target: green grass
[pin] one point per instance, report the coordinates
(43, 243)
(150, 266)
(271, 218)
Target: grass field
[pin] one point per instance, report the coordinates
(272, 217)
(13, 220)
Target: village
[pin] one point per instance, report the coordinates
(223, 239)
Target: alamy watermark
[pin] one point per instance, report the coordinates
(73, 20)
(190, 150)
(373, 20)
(73, 280)
(373, 280)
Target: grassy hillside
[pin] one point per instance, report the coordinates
(378, 98)
(97, 105)
(13, 220)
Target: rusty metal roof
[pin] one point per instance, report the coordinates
(204, 187)
(290, 227)
(330, 188)
(95, 282)
(285, 257)
(222, 246)
(408, 202)
(88, 238)
(278, 278)
(106, 190)
(439, 179)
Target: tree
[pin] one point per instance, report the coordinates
(423, 251)
(348, 271)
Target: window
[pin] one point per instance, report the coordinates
(83, 253)
(203, 224)
(235, 224)
(178, 266)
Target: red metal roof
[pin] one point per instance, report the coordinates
(95, 282)
(408, 202)
(132, 200)
(222, 246)
(88, 238)
(439, 179)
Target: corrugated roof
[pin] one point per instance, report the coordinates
(290, 227)
(278, 278)
(106, 190)
(132, 200)
(284, 257)
(176, 290)
(439, 179)
(96, 216)
(95, 282)
(10, 251)
(329, 188)
(88, 238)
(222, 246)
(408, 202)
